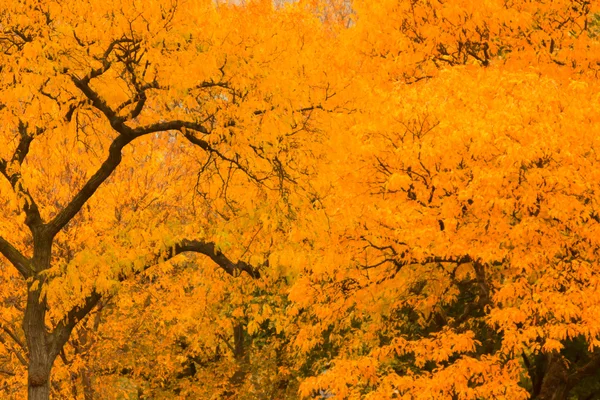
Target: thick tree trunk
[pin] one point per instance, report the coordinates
(41, 352)
(39, 392)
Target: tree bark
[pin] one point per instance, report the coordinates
(41, 352)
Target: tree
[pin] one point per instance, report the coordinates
(401, 197)
(460, 262)
(135, 132)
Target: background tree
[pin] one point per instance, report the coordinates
(459, 263)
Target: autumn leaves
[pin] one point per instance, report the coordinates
(392, 199)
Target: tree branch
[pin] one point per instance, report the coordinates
(64, 328)
(210, 250)
(176, 125)
(111, 163)
(24, 143)
(203, 144)
(18, 260)
(139, 100)
(83, 84)
(33, 218)
(301, 110)
(62, 331)
(116, 122)
(126, 135)
(106, 169)
(13, 336)
(17, 353)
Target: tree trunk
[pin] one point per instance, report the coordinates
(41, 355)
(39, 392)
(555, 384)
(242, 358)
(241, 354)
(40, 343)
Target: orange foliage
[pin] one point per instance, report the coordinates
(400, 197)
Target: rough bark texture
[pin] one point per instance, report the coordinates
(41, 348)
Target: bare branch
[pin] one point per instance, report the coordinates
(111, 47)
(33, 218)
(209, 249)
(203, 144)
(83, 84)
(110, 164)
(126, 135)
(301, 110)
(139, 100)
